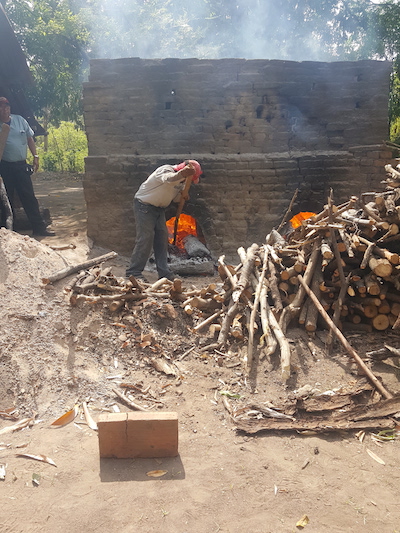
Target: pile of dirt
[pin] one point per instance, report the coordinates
(53, 354)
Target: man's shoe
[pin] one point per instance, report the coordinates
(43, 233)
(141, 278)
(173, 277)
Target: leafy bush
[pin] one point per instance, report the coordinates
(66, 150)
(395, 131)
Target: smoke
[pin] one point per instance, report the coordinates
(210, 29)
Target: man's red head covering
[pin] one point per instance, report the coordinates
(197, 167)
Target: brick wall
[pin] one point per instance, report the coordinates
(259, 128)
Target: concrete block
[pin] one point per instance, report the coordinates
(138, 434)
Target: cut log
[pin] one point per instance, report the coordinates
(370, 311)
(381, 267)
(372, 284)
(384, 308)
(380, 322)
(214, 329)
(392, 257)
(395, 308)
(208, 320)
(288, 273)
(76, 268)
(236, 327)
(326, 251)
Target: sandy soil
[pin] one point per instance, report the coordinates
(53, 356)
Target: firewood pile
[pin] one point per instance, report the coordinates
(339, 268)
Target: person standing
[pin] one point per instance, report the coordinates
(14, 170)
(155, 194)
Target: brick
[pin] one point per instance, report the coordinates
(138, 434)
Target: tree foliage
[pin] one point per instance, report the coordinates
(66, 150)
(54, 41)
(58, 35)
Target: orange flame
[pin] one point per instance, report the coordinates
(186, 226)
(297, 220)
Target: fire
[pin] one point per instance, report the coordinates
(298, 219)
(186, 226)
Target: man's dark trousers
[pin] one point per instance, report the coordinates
(17, 178)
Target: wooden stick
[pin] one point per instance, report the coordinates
(382, 252)
(271, 341)
(76, 268)
(280, 337)
(337, 312)
(232, 278)
(360, 363)
(208, 320)
(127, 401)
(367, 255)
(110, 297)
(334, 241)
(289, 210)
(237, 293)
(184, 195)
(250, 344)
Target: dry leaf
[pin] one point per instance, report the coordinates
(375, 457)
(89, 420)
(42, 458)
(360, 435)
(36, 479)
(303, 521)
(162, 366)
(66, 418)
(9, 413)
(156, 473)
(19, 425)
(3, 471)
(144, 344)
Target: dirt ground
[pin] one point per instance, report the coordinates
(54, 356)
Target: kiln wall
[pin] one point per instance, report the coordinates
(260, 129)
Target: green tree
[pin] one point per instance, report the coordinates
(67, 148)
(54, 41)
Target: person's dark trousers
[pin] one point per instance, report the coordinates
(151, 232)
(17, 178)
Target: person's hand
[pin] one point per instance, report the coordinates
(35, 163)
(187, 171)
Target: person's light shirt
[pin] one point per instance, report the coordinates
(16, 147)
(160, 188)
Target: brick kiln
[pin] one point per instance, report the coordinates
(261, 129)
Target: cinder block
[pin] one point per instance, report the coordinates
(138, 434)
